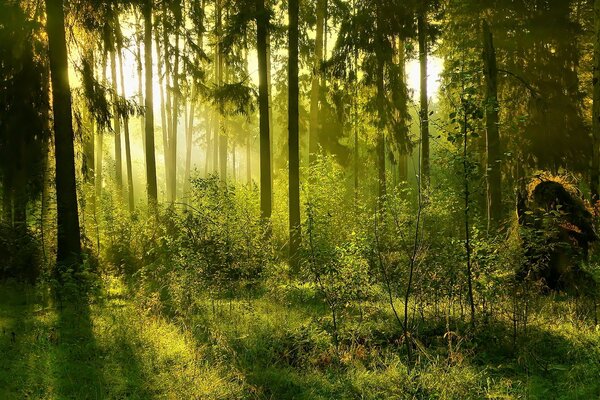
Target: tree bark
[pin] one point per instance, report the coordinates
(262, 22)
(128, 162)
(493, 151)
(117, 124)
(173, 133)
(293, 139)
(595, 173)
(313, 139)
(149, 128)
(68, 233)
(424, 106)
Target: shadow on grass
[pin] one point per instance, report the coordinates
(22, 342)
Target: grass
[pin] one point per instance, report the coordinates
(120, 346)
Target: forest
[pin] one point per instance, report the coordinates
(299, 199)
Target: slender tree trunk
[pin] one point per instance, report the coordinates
(173, 136)
(313, 138)
(270, 90)
(595, 173)
(188, 143)
(493, 151)
(117, 124)
(100, 142)
(223, 131)
(294, 137)
(467, 194)
(424, 111)
(150, 156)
(355, 116)
(380, 133)
(68, 234)
(262, 22)
(128, 162)
(165, 104)
(141, 91)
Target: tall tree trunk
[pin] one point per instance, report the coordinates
(141, 90)
(595, 173)
(424, 111)
(117, 124)
(270, 90)
(150, 156)
(128, 162)
(294, 139)
(355, 112)
(380, 132)
(100, 143)
(165, 100)
(262, 23)
(313, 138)
(493, 151)
(188, 143)
(222, 143)
(68, 234)
(173, 134)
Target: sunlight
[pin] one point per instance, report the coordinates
(435, 66)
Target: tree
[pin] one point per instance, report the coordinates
(313, 139)
(293, 135)
(125, 116)
(262, 24)
(493, 152)
(595, 173)
(424, 106)
(149, 119)
(68, 234)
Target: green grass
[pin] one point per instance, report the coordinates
(120, 346)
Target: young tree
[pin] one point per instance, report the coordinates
(68, 234)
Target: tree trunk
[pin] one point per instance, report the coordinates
(493, 151)
(150, 156)
(380, 133)
(117, 126)
(221, 69)
(141, 91)
(313, 138)
(173, 134)
(188, 144)
(130, 194)
(595, 173)
(424, 111)
(68, 234)
(262, 22)
(294, 139)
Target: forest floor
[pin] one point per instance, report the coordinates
(118, 347)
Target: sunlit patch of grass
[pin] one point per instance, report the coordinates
(109, 351)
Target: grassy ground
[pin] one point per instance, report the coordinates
(275, 347)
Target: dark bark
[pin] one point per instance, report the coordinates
(68, 233)
(293, 138)
(424, 106)
(117, 124)
(493, 151)
(150, 156)
(313, 140)
(262, 22)
(595, 173)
